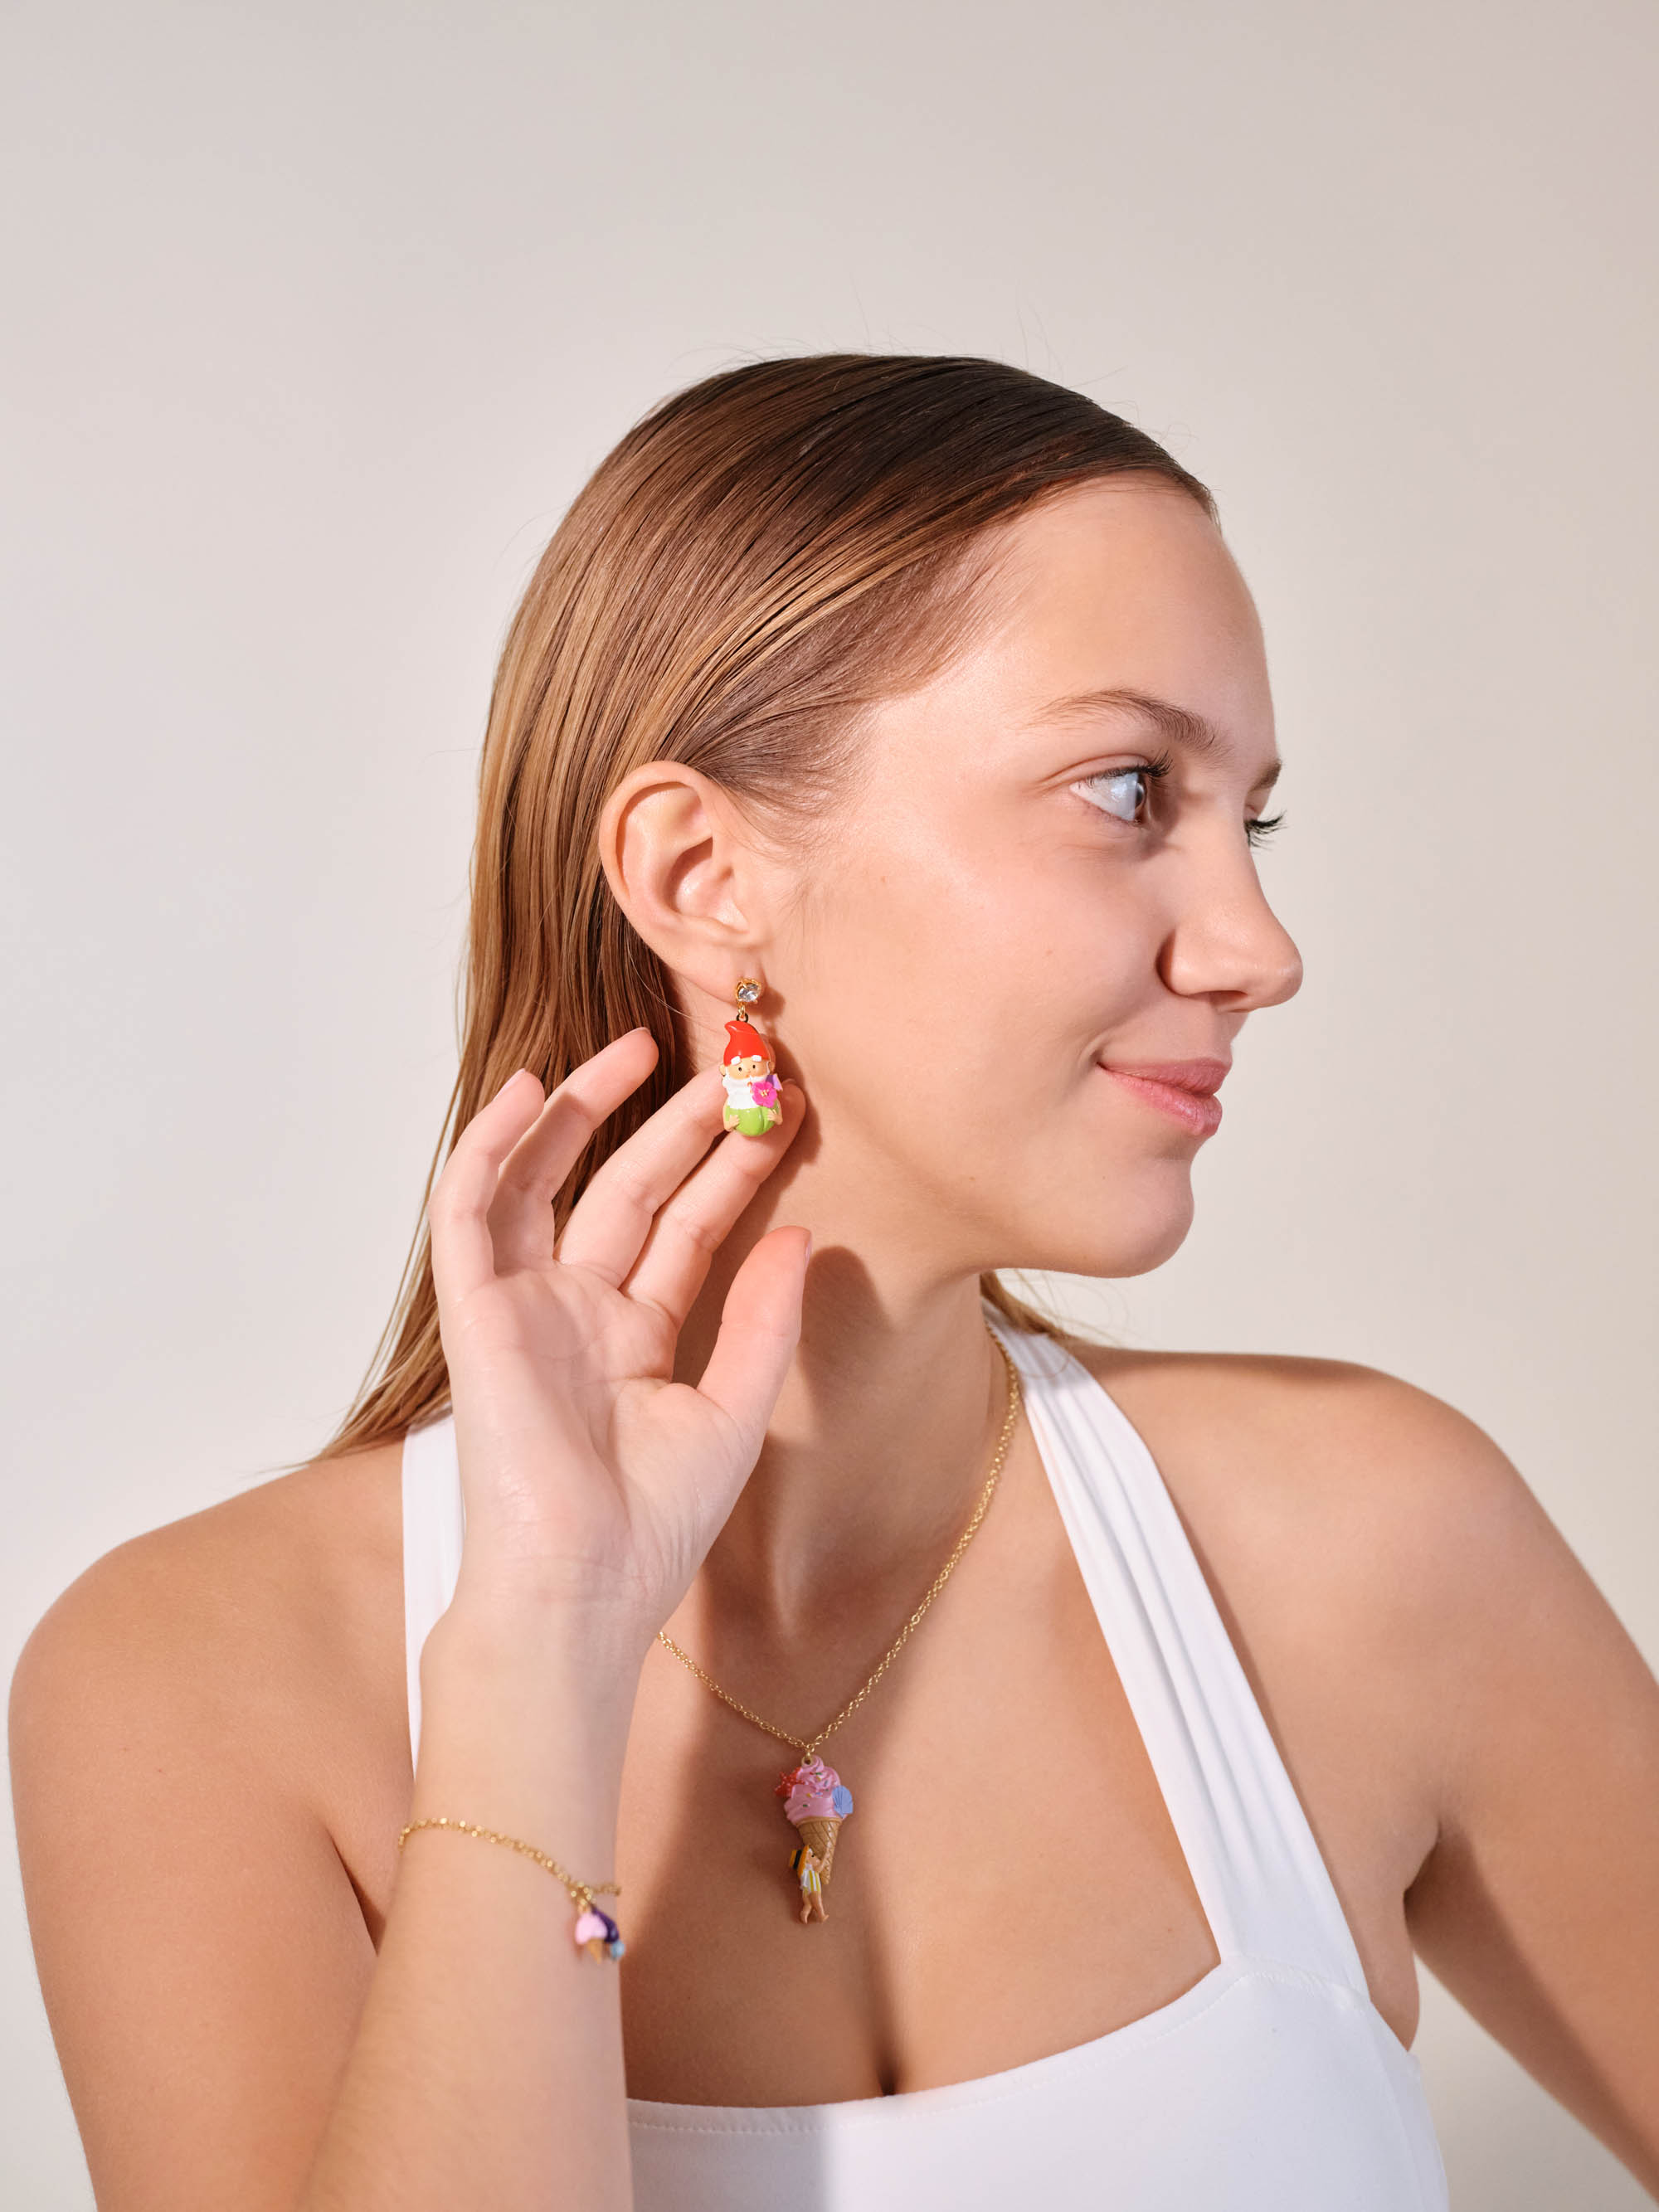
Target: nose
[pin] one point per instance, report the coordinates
(1227, 944)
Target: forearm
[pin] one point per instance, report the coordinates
(487, 2068)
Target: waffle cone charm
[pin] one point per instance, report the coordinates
(750, 1073)
(815, 1801)
(819, 1837)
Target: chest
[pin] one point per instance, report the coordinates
(1008, 1885)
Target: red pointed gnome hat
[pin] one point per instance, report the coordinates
(744, 1043)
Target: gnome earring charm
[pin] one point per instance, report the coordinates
(751, 1083)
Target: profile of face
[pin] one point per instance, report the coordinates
(1042, 878)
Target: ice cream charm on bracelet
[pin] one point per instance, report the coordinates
(597, 1934)
(750, 1073)
(815, 1801)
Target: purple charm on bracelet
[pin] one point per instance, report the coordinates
(598, 1934)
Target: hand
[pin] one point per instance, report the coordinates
(593, 1482)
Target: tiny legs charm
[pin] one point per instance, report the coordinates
(815, 1801)
(750, 1073)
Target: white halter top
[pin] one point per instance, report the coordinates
(1272, 2085)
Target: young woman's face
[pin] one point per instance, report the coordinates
(1044, 880)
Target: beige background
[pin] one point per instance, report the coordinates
(318, 316)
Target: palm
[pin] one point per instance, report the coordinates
(586, 1469)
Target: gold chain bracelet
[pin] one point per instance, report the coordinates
(595, 1931)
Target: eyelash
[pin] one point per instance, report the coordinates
(1256, 832)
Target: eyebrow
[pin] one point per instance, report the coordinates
(1178, 726)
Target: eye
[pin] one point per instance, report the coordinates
(1259, 831)
(1122, 793)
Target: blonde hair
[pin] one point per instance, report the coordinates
(765, 554)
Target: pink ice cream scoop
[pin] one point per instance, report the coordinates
(814, 1791)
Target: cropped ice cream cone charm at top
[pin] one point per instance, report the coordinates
(815, 1801)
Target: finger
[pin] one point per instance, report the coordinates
(535, 1171)
(760, 1327)
(691, 1227)
(611, 1221)
(462, 1254)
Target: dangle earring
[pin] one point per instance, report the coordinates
(750, 1073)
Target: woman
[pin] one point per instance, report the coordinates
(911, 713)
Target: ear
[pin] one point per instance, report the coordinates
(681, 866)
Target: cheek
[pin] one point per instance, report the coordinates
(908, 948)
(949, 1014)
(988, 973)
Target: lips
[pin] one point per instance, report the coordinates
(1184, 1090)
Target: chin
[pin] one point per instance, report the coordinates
(1111, 1238)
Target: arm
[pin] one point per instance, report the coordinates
(1539, 1905)
(201, 1951)
(487, 2066)
(228, 2033)
(1379, 1547)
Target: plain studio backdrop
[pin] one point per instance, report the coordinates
(318, 316)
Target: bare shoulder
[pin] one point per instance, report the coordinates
(276, 1575)
(1366, 1532)
(241, 1637)
(1323, 1421)
(208, 1751)
(1349, 1478)
(1394, 1584)
(1341, 1517)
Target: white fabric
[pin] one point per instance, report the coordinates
(1273, 2085)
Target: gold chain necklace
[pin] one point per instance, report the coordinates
(815, 1800)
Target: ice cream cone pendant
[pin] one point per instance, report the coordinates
(815, 1801)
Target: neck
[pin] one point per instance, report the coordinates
(877, 1452)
